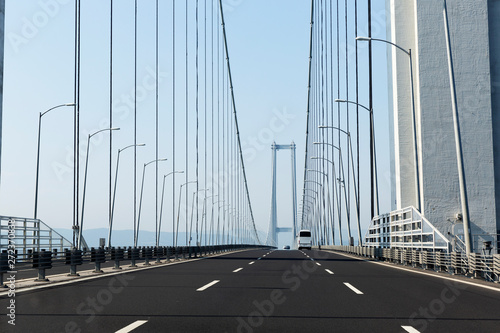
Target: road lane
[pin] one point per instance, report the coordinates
(285, 291)
(427, 303)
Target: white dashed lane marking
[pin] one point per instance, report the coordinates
(208, 285)
(132, 326)
(357, 291)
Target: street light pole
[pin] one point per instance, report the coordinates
(373, 162)
(311, 203)
(114, 190)
(192, 215)
(38, 152)
(80, 227)
(314, 210)
(218, 222)
(374, 176)
(329, 213)
(355, 185)
(340, 181)
(161, 206)
(414, 124)
(212, 224)
(179, 212)
(321, 208)
(204, 217)
(136, 235)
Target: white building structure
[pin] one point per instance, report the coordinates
(474, 28)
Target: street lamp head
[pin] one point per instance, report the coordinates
(322, 126)
(170, 173)
(158, 160)
(105, 129)
(130, 146)
(364, 39)
(340, 100)
(56, 107)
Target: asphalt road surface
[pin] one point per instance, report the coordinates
(259, 291)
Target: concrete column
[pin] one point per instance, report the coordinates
(2, 34)
(494, 28)
(473, 27)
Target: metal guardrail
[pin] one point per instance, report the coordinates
(476, 265)
(44, 260)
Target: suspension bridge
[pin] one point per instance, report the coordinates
(162, 226)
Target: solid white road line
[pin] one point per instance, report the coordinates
(251, 263)
(328, 271)
(132, 326)
(410, 329)
(237, 270)
(208, 285)
(357, 291)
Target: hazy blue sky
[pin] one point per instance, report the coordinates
(269, 50)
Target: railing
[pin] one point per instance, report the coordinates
(476, 265)
(405, 228)
(29, 234)
(44, 260)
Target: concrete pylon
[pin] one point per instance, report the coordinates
(455, 65)
(273, 228)
(2, 38)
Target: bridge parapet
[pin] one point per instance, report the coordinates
(479, 266)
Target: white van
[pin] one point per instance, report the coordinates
(304, 239)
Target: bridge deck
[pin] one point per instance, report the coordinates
(260, 291)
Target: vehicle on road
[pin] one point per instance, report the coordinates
(304, 239)
(286, 247)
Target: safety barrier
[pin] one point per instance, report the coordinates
(476, 265)
(44, 260)
(4, 265)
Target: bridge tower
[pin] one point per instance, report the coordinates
(2, 35)
(467, 64)
(273, 227)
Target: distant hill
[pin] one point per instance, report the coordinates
(124, 237)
